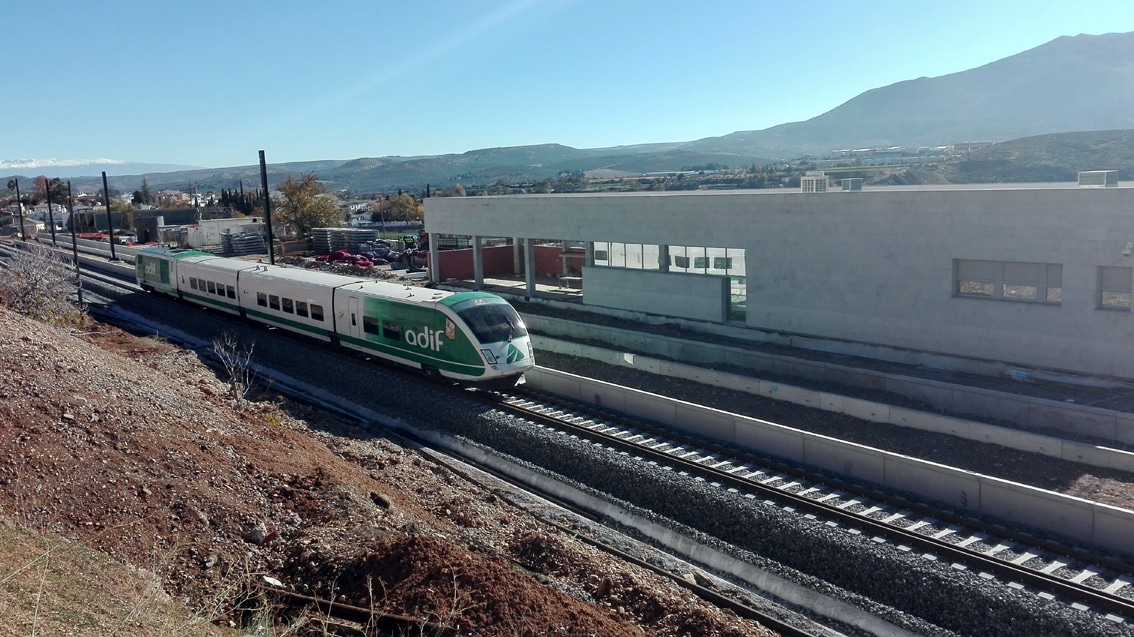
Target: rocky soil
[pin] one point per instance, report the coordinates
(134, 448)
(1108, 486)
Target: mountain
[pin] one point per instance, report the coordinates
(68, 168)
(1079, 83)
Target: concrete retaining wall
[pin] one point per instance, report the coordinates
(1098, 524)
(1093, 455)
(1027, 411)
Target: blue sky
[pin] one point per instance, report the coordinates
(211, 82)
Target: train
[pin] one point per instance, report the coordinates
(473, 338)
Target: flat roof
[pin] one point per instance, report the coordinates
(833, 191)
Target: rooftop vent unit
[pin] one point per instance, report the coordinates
(813, 181)
(1098, 178)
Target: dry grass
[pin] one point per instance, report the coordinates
(51, 585)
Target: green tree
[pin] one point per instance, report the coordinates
(306, 204)
(143, 196)
(403, 208)
(129, 213)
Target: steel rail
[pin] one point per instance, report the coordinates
(1068, 589)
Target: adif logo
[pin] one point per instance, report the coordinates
(425, 339)
(514, 353)
(151, 268)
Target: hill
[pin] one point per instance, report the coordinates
(1037, 159)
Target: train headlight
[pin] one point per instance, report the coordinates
(489, 356)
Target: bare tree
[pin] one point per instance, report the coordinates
(236, 361)
(40, 282)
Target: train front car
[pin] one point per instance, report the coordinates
(498, 333)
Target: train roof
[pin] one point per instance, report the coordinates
(399, 292)
(175, 253)
(299, 275)
(372, 287)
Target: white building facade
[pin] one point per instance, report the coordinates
(1037, 275)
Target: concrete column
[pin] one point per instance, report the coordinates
(477, 263)
(434, 261)
(529, 269)
(663, 258)
(589, 251)
(517, 255)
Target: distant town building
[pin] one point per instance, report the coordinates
(964, 147)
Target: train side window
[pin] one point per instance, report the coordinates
(370, 325)
(317, 312)
(700, 263)
(212, 287)
(261, 299)
(681, 262)
(193, 282)
(301, 308)
(231, 291)
(392, 330)
(273, 302)
(287, 306)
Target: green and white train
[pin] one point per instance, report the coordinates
(471, 337)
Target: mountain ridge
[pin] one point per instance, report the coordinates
(1072, 83)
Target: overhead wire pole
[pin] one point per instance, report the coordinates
(50, 214)
(267, 208)
(109, 221)
(74, 243)
(19, 206)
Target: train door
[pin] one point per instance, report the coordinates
(354, 317)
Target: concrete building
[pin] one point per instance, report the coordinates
(1030, 276)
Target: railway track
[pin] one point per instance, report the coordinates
(1047, 568)
(113, 280)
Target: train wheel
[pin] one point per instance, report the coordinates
(432, 373)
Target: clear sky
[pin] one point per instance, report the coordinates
(211, 82)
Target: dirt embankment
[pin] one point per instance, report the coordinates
(134, 498)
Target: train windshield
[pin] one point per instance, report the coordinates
(491, 320)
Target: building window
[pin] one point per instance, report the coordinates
(1115, 288)
(1009, 280)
